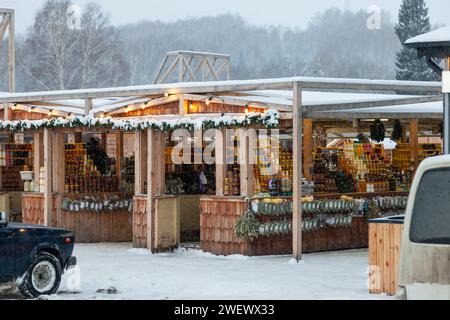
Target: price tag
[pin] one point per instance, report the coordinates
(446, 82)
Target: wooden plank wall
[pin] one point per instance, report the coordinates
(218, 216)
(93, 227)
(33, 209)
(140, 222)
(384, 257)
(88, 227)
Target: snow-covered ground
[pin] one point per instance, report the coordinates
(193, 274)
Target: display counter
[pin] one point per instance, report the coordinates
(219, 216)
(384, 254)
(329, 223)
(89, 224)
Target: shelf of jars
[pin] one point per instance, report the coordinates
(14, 158)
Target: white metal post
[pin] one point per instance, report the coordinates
(297, 118)
(446, 133)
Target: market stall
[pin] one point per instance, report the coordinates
(318, 198)
(89, 192)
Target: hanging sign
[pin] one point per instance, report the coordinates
(446, 82)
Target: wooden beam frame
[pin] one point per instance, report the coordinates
(8, 23)
(297, 163)
(4, 25)
(12, 53)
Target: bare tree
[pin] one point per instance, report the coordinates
(58, 55)
(49, 49)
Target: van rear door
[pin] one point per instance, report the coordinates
(425, 253)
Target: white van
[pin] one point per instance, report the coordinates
(425, 251)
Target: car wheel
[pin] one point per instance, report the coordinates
(43, 277)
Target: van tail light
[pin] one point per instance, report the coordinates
(67, 240)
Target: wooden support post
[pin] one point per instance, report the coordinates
(221, 167)
(159, 164)
(58, 161)
(88, 105)
(404, 133)
(5, 111)
(446, 124)
(140, 166)
(183, 106)
(61, 178)
(246, 168)
(119, 152)
(297, 163)
(414, 140)
(104, 141)
(48, 177)
(151, 135)
(38, 156)
(307, 148)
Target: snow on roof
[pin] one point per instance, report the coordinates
(427, 107)
(313, 98)
(212, 86)
(437, 36)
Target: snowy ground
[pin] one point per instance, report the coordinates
(193, 274)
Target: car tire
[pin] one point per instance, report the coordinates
(43, 277)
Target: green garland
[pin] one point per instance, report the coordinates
(247, 227)
(270, 120)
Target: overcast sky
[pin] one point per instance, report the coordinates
(291, 13)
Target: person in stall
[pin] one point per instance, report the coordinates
(98, 155)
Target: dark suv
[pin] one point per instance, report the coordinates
(35, 257)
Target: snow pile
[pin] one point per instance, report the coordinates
(192, 274)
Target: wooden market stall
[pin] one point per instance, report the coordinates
(287, 218)
(75, 191)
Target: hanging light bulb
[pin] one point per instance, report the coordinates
(166, 94)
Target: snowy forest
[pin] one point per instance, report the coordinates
(336, 43)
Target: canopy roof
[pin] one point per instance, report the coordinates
(432, 44)
(436, 37)
(321, 97)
